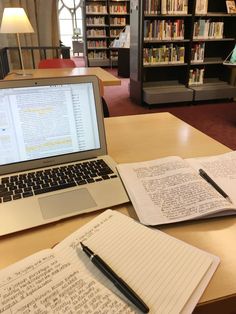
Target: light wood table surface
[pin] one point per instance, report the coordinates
(145, 137)
(106, 78)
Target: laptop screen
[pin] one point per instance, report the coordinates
(44, 121)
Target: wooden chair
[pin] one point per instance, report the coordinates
(56, 63)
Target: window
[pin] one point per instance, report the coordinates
(70, 20)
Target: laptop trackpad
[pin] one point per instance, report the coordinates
(66, 203)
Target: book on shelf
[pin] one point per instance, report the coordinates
(169, 275)
(163, 29)
(96, 9)
(117, 21)
(196, 76)
(100, 55)
(197, 53)
(231, 6)
(170, 189)
(174, 7)
(206, 29)
(118, 9)
(95, 21)
(152, 7)
(165, 54)
(201, 6)
(97, 44)
(94, 32)
(115, 32)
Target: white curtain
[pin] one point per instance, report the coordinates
(43, 16)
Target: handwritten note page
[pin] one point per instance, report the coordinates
(168, 190)
(162, 270)
(221, 168)
(44, 283)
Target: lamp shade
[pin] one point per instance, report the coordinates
(15, 20)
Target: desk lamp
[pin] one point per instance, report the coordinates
(15, 20)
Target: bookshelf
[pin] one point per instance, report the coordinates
(218, 38)
(103, 21)
(178, 49)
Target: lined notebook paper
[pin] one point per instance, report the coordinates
(168, 274)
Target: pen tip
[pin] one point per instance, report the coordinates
(82, 245)
(229, 199)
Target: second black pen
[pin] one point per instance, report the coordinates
(206, 177)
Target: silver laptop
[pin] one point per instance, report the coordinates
(53, 155)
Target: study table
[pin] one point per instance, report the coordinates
(106, 78)
(145, 137)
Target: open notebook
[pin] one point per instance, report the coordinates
(53, 154)
(168, 274)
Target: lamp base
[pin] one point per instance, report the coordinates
(21, 74)
(24, 74)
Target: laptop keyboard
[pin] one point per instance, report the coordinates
(57, 178)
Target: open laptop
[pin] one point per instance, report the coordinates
(53, 155)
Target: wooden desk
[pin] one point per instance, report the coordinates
(106, 78)
(142, 137)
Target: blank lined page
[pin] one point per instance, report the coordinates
(161, 269)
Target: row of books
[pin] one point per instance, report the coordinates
(115, 9)
(93, 32)
(197, 52)
(165, 6)
(204, 29)
(181, 7)
(114, 54)
(96, 44)
(102, 32)
(115, 32)
(152, 6)
(97, 55)
(96, 20)
(174, 7)
(96, 9)
(202, 6)
(196, 76)
(163, 29)
(163, 55)
(120, 21)
(118, 9)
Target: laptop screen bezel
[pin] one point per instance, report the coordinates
(67, 158)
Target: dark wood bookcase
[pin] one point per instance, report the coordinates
(103, 21)
(184, 80)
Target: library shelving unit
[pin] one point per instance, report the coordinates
(118, 19)
(96, 28)
(171, 61)
(103, 21)
(217, 39)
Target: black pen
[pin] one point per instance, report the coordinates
(115, 279)
(206, 177)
